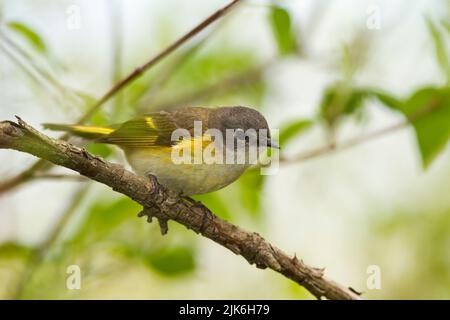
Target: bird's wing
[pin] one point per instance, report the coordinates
(153, 129)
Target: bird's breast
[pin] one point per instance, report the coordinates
(197, 177)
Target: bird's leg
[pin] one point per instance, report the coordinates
(153, 211)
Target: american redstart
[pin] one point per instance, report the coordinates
(149, 144)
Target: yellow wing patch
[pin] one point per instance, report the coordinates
(150, 122)
(143, 132)
(187, 147)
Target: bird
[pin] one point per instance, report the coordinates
(150, 148)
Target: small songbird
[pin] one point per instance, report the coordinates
(150, 148)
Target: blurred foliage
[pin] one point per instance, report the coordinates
(29, 35)
(102, 219)
(10, 250)
(196, 74)
(172, 261)
(427, 265)
(250, 190)
(215, 203)
(106, 222)
(102, 150)
(429, 110)
(340, 100)
(205, 69)
(442, 56)
(282, 29)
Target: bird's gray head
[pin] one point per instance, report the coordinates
(241, 119)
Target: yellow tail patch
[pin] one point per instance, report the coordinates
(89, 132)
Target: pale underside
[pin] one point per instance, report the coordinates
(186, 179)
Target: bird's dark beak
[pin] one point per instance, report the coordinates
(272, 144)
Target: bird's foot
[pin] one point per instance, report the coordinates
(153, 212)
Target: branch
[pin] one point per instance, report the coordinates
(40, 165)
(162, 204)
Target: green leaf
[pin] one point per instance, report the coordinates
(293, 129)
(340, 100)
(172, 261)
(442, 55)
(388, 100)
(429, 111)
(10, 250)
(28, 34)
(280, 21)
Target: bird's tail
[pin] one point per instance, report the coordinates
(88, 132)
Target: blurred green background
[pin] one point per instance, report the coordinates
(323, 72)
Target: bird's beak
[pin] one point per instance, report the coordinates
(272, 144)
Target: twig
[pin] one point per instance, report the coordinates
(116, 25)
(163, 77)
(44, 74)
(145, 103)
(40, 164)
(21, 65)
(164, 205)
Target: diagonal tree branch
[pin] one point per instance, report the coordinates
(164, 206)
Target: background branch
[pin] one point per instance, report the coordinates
(163, 205)
(335, 147)
(44, 78)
